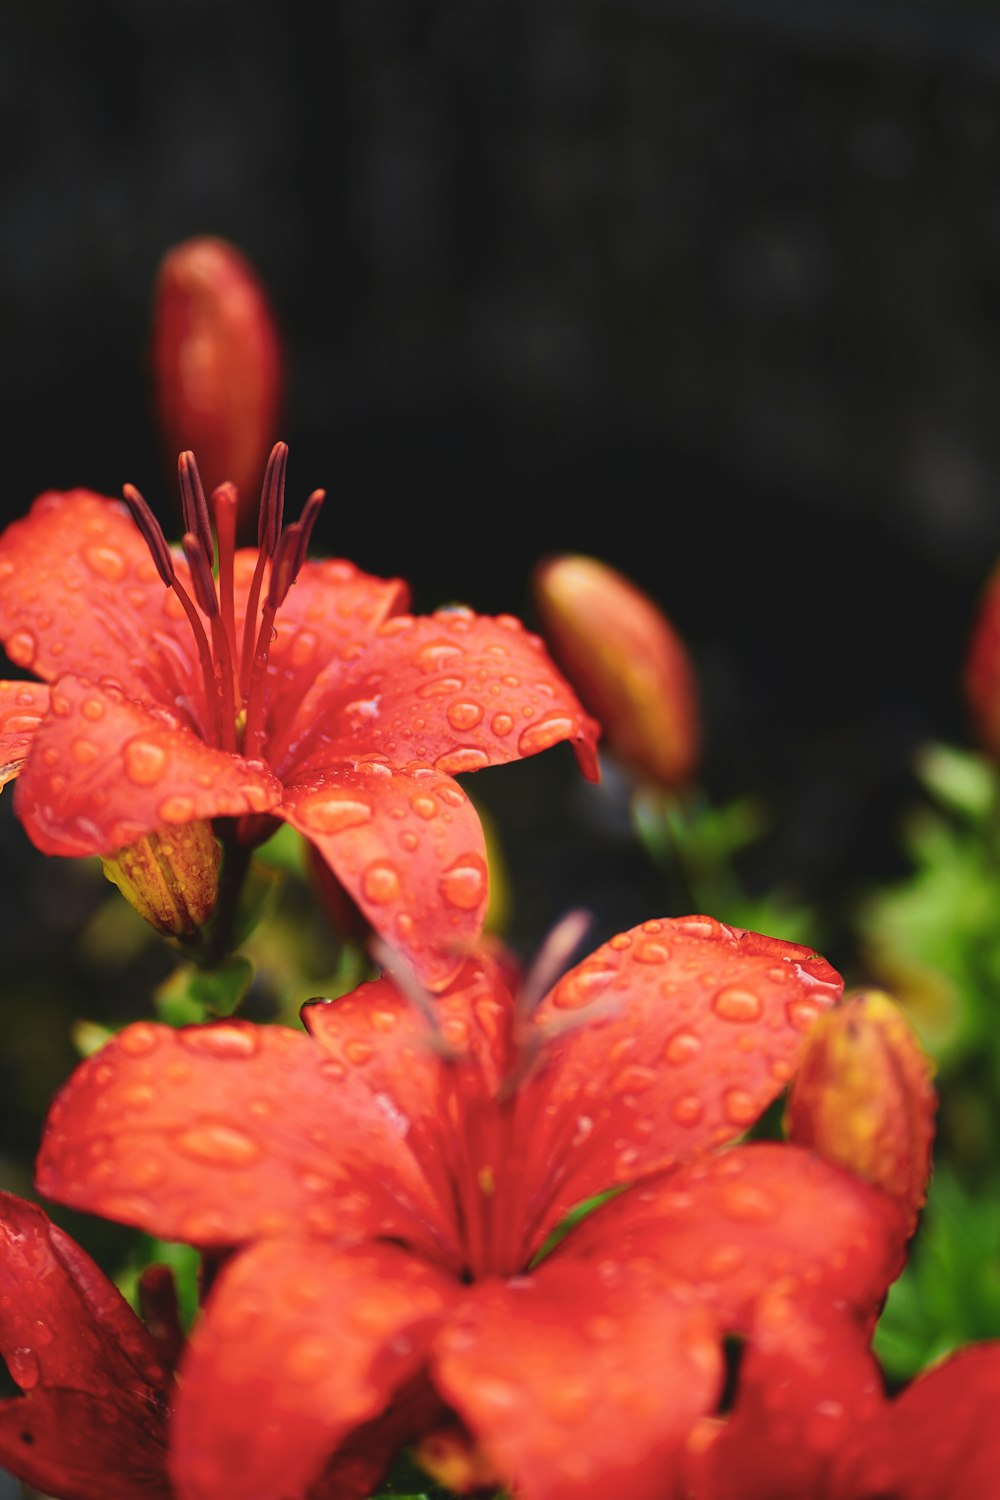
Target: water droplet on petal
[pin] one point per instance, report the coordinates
(380, 883)
(464, 714)
(24, 1368)
(748, 1203)
(176, 810)
(92, 709)
(682, 1047)
(84, 752)
(41, 1333)
(687, 1109)
(330, 813)
(549, 731)
(358, 1051)
(106, 562)
(462, 758)
(424, 807)
(802, 1012)
(722, 1261)
(502, 724)
(145, 762)
(220, 1041)
(139, 1096)
(441, 687)
(647, 952)
(735, 1003)
(218, 1145)
(434, 655)
(581, 986)
(740, 1106)
(303, 648)
(463, 884)
(21, 648)
(139, 1039)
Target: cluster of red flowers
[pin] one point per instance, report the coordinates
(387, 1202)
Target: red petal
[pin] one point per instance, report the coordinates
(703, 1026)
(731, 1226)
(938, 1439)
(23, 706)
(299, 1345)
(807, 1378)
(104, 771)
(576, 1391)
(223, 1133)
(458, 690)
(409, 849)
(79, 593)
(91, 1420)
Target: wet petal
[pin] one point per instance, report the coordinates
(939, 1438)
(732, 1226)
(457, 690)
(806, 1379)
(408, 847)
(703, 1025)
(91, 1419)
(299, 1345)
(79, 593)
(23, 706)
(104, 771)
(574, 1391)
(223, 1133)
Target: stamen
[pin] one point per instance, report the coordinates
(551, 959)
(225, 504)
(222, 677)
(307, 520)
(201, 575)
(193, 504)
(152, 533)
(272, 508)
(409, 986)
(283, 566)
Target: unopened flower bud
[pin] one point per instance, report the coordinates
(171, 878)
(625, 661)
(863, 1097)
(217, 363)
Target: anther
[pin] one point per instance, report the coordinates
(152, 533)
(193, 504)
(201, 575)
(272, 499)
(306, 522)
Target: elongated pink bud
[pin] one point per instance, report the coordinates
(217, 363)
(626, 662)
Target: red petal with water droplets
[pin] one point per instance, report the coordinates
(219, 1134)
(696, 1028)
(79, 593)
(104, 771)
(91, 1420)
(300, 1343)
(937, 1441)
(573, 1391)
(731, 1226)
(409, 849)
(807, 1378)
(23, 706)
(457, 690)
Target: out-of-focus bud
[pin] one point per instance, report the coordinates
(625, 661)
(217, 363)
(172, 879)
(863, 1097)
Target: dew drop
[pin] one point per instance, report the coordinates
(502, 724)
(432, 657)
(139, 1096)
(408, 840)
(358, 1051)
(464, 714)
(145, 762)
(462, 758)
(380, 883)
(424, 807)
(802, 1012)
(647, 952)
(547, 732)
(441, 687)
(687, 1109)
(682, 1047)
(303, 648)
(84, 752)
(329, 813)
(218, 1145)
(721, 1261)
(220, 1041)
(740, 1106)
(463, 884)
(176, 810)
(24, 1368)
(581, 986)
(138, 1040)
(748, 1203)
(93, 709)
(106, 562)
(736, 1003)
(21, 648)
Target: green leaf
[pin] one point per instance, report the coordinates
(192, 994)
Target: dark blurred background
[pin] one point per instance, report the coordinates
(708, 288)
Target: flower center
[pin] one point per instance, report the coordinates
(234, 671)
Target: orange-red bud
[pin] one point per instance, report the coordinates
(170, 878)
(217, 363)
(863, 1097)
(625, 661)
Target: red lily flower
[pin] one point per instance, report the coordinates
(387, 1189)
(322, 704)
